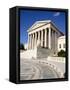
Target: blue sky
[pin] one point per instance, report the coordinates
(29, 17)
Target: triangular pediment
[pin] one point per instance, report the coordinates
(38, 24)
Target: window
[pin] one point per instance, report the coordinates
(59, 45)
(63, 45)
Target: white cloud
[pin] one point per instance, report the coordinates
(56, 14)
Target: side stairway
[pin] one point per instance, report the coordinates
(38, 52)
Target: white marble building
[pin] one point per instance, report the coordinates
(61, 43)
(44, 34)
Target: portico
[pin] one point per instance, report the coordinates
(43, 34)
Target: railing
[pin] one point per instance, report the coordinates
(56, 59)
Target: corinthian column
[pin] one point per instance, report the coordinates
(49, 39)
(45, 38)
(42, 38)
(31, 41)
(38, 37)
(35, 39)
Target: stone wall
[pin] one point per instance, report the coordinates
(43, 52)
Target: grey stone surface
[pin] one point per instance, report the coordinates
(30, 69)
(43, 52)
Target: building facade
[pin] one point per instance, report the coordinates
(44, 34)
(61, 43)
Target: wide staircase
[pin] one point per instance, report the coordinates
(38, 52)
